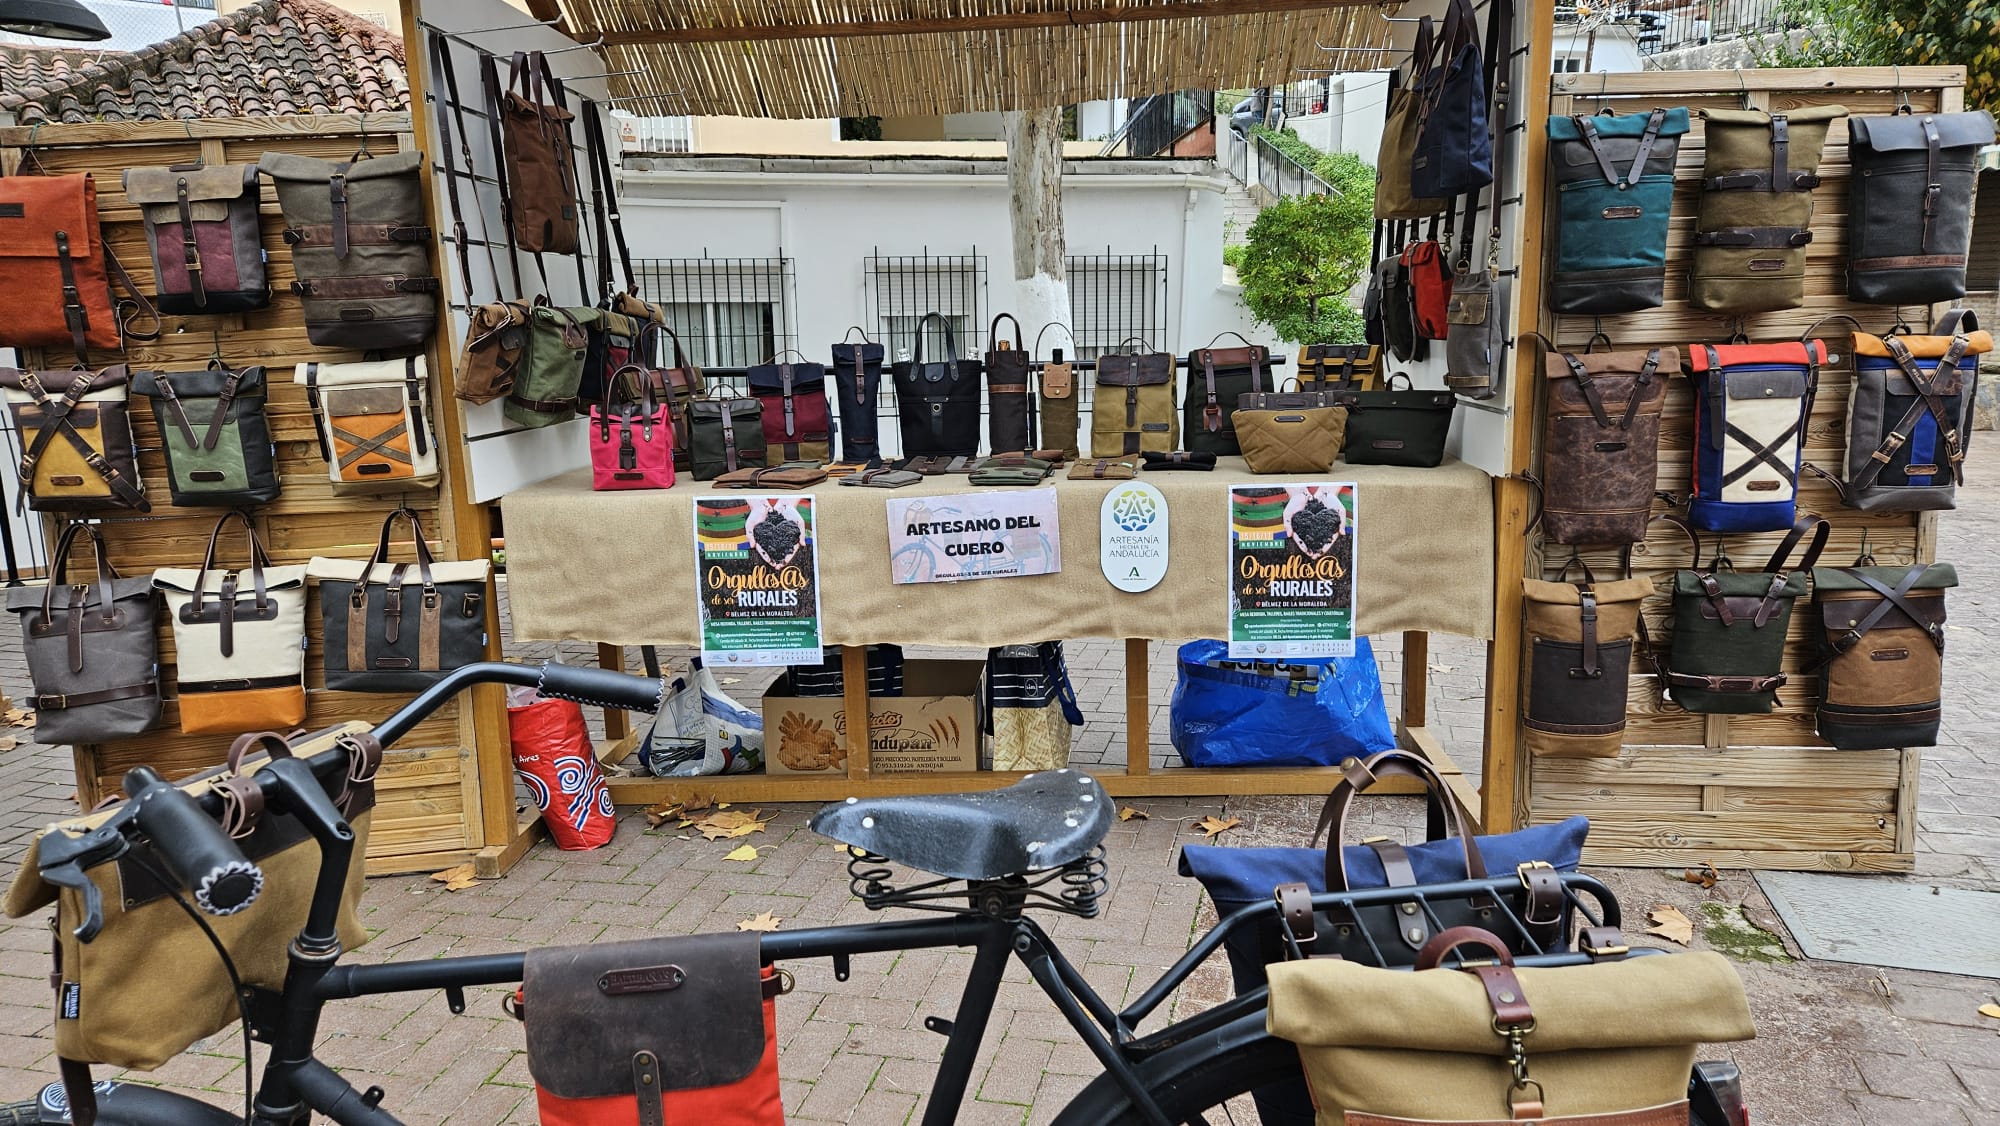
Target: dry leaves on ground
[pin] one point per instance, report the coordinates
(1127, 813)
(9, 742)
(1212, 826)
(732, 824)
(1990, 1009)
(681, 810)
(742, 852)
(1670, 924)
(1706, 875)
(20, 717)
(763, 922)
(456, 879)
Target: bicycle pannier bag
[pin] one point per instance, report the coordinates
(496, 340)
(77, 452)
(1133, 411)
(1008, 390)
(728, 435)
(541, 161)
(1728, 650)
(398, 627)
(937, 401)
(1880, 636)
(1606, 1043)
(608, 1025)
(631, 436)
(797, 423)
(92, 649)
(1576, 664)
(56, 269)
(1751, 406)
(1396, 426)
(857, 382)
(214, 434)
(1454, 153)
(1756, 208)
(1031, 707)
(1476, 333)
(1614, 177)
(612, 341)
(1395, 196)
(1909, 416)
(239, 640)
(1290, 431)
(1399, 314)
(149, 984)
(374, 423)
(1428, 278)
(202, 231)
(1058, 422)
(1909, 204)
(1217, 378)
(1601, 444)
(546, 390)
(361, 249)
(1340, 367)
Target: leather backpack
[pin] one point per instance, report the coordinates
(92, 648)
(535, 119)
(1727, 653)
(937, 401)
(728, 434)
(1880, 634)
(1133, 411)
(857, 384)
(361, 248)
(56, 270)
(1009, 390)
(214, 434)
(1751, 406)
(1427, 275)
(1576, 667)
(1756, 211)
(1909, 416)
(547, 388)
(1909, 204)
(1614, 187)
(373, 421)
(399, 627)
(239, 639)
(1217, 379)
(1397, 426)
(202, 231)
(797, 423)
(77, 451)
(1601, 443)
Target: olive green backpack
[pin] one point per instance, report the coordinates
(1728, 648)
(214, 434)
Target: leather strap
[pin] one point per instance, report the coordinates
(646, 1088)
(82, 1094)
(489, 82)
(1781, 148)
(56, 421)
(1587, 625)
(1759, 180)
(190, 249)
(75, 313)
(448, 106)
(1926, 387)
(60, 700)
(1759, 238)
(350, 288)
(358, 234)
(1896, 597)
(601, 170)
(1726, 684)
(1933, 190)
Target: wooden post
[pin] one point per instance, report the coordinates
(1138, 708)
(617, 721)
(854, 693)
(1416, 677)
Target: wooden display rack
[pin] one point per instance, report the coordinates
(440, 801)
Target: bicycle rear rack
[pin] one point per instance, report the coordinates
(1072, 889)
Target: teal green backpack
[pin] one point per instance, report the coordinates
(1614, 177)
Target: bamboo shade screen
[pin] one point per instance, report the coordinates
(844, 58)
(429, 801)
(1759, 791)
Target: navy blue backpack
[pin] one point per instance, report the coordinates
(1454, 152)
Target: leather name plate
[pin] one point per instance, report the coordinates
(645, 979)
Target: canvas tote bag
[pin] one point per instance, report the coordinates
(239, 639)
(394, 627)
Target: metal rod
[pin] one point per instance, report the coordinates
(592, 46)
(550, 22)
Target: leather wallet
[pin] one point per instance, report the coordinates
(848, 468)
(936, 466)
(1179, 459)
(791, 475)
(1011, 469)
(882, 478)
(1055, 458)
(1104, 469)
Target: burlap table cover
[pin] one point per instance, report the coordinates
(618, 567)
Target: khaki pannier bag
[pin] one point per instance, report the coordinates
(1133, 410)
(361, 248)
(1577, 664)
(1755, 222)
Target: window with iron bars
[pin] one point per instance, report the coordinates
(726, 312)
(904, 290)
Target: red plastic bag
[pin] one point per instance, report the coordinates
(553, 755)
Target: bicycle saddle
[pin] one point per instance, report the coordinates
(1043, 821)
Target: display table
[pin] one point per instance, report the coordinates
(618, 568)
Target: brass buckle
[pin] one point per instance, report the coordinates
(1522, 870)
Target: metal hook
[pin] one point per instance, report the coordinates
(576, 47)
(1903, 105)
(607, 74)
(550, 22)
(1744, 88)
(1739, 336)
(1597, 333)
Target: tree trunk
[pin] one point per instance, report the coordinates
(1034, 182)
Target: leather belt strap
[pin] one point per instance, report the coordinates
(1295, 908)
(489, 83)
(1933, 191)
(1729, 684)
(448, 105)
(1760, 238)
(646, 1088)
(190, 249)
(1892, 598)
(60, 700)
(56, 420)
(728, 440)
(358, 234)
(1211, 412)
(1926, 388)
(1587, 623)
(1781, 148)
(75, 314)
(377, 285)
(337, 194)
(1759, 180)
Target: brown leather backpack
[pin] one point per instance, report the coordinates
(535, 118)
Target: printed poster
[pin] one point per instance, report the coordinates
(757, 572)
(981, 535)
(1291, 570)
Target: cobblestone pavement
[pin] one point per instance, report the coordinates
(1838, 1045)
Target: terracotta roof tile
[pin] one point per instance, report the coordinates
(273, 57)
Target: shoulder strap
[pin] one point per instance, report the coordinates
(565, 142)
(489, 81)
(448, 100)
(1820, 529)
(601, 171)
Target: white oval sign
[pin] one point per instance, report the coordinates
(1132, 536)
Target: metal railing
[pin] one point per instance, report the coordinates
(1156, 122)
(1281, 176)
(727, 312)
(1660, 26)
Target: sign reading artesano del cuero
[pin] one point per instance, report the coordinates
(946, 539)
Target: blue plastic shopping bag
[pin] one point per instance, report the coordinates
(1264, 713)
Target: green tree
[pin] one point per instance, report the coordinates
(1898, 33)
(1305, 254)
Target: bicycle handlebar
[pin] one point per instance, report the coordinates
(194, 848)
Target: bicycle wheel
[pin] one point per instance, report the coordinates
(1203, 1083)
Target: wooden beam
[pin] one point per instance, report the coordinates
(380, 125)
(997, 21)
(544, 9)
(1138, 708)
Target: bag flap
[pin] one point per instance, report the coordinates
(210, 182)
(23, 599)
(1621, 125)
(1362, 355)
(1145, 370)
(58, 382)
(1687, 998)
(1255, 401)
(1230, 357)
(1936, 577)
(367, 371)
(47, 204)
(204, 384)
(589, 1009)
(1901, 132)
(1977, 343)
(349, 570)
(1058, 381)
(1766, 384)
(1396, 400)
(30, 893)
(1762, 120)
(1566, 594)
(738, 408)
(848, 355)
(1733, 355)
(181, 580)
(1618, 363)
(1840, 614)
(806, 376)
(1737, 584)
(291, 166)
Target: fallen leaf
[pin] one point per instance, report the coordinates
(1990, 1010)
(1706, 875)
(1670, 924)
(16, 715)
(456, 879)
(743, 852)
(722, 805)
(1127, 813)
(26, 720)
(695, 803)
(8, 742)
(735, 823)
(764, 922)
(658, 815)
(1212, 826)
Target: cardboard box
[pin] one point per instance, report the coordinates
(932, 727)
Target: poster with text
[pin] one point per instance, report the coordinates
(1291, 570)
(983, 535)
(757, 571)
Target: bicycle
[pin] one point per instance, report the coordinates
(992, 856)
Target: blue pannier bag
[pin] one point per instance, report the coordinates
(1272, 713)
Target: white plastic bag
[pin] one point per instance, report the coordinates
(695, 708)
